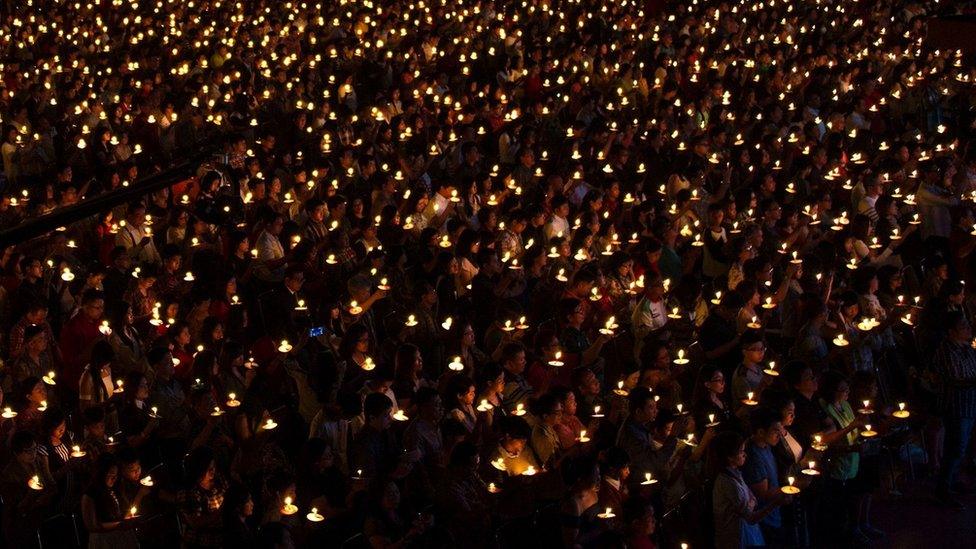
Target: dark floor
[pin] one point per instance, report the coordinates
(916, 519)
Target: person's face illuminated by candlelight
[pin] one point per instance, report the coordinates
(37, 394)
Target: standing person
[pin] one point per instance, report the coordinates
(955, 364)
(735, 510)
(760, 471)
(102, 510)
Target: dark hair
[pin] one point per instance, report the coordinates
(51, 419)
(103, 465)
(376, 404)
(197, 463)
(639, 397)
(724, 446)
(425, 396)
(515, 427)
(764, 418)
(22, 441)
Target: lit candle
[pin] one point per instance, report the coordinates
(411, 321)
(768, 304)
(485, 406)
(448, 322)
(354, 308)
(841, 341)
(284, 347)
(400, 415)
(154, 412)
(866, 410)
(146, 481)
(232, 401)
(105, 329)
(609, 326)
(689, 440)
(597, 413)
(289, 508)
(314, 515)
(43, 406)
(368, 364)
(811, 469)
(648, 480)
(49, 378)
(530, 471)
(789, 488)
(492, 489)
(8, 413)
(717, 299)
(901, 412)
(711, 421)
(556, 359)
(608, 514)
(868, 432)
(620, 389)
(519, 409)
(771, 371)
(754, 323)
(35, 483)
(748, 401)
(77, 452)
(189, 276)
(269, 424)
(818, 443)
(300, 306)
(681, 360)
(582, 436)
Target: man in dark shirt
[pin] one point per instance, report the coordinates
(809, 418)
(955, 364)
(718, 334)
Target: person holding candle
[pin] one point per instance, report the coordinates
(385, 525)
(465, 498)
(201, 499)
(748, 376)
(55, 451)
(839, 504)
(710, 403)
(614, 475)
(580, 525)
(650, 316)
(34, 359)
(548, 411)
(760, 470)
(735, 510)
(955, 365)
(102, 511)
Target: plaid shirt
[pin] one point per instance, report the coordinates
(955, 364)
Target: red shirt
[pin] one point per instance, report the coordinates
(77, 338)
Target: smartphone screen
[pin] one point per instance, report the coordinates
(317, 331)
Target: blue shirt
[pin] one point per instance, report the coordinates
(761, 465)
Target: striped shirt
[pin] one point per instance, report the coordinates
(955, 364)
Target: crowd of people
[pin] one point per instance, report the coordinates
(482, 273)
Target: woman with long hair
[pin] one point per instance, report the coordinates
(102, 511)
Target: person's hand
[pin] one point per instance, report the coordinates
(249, 375)
(783, 499)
